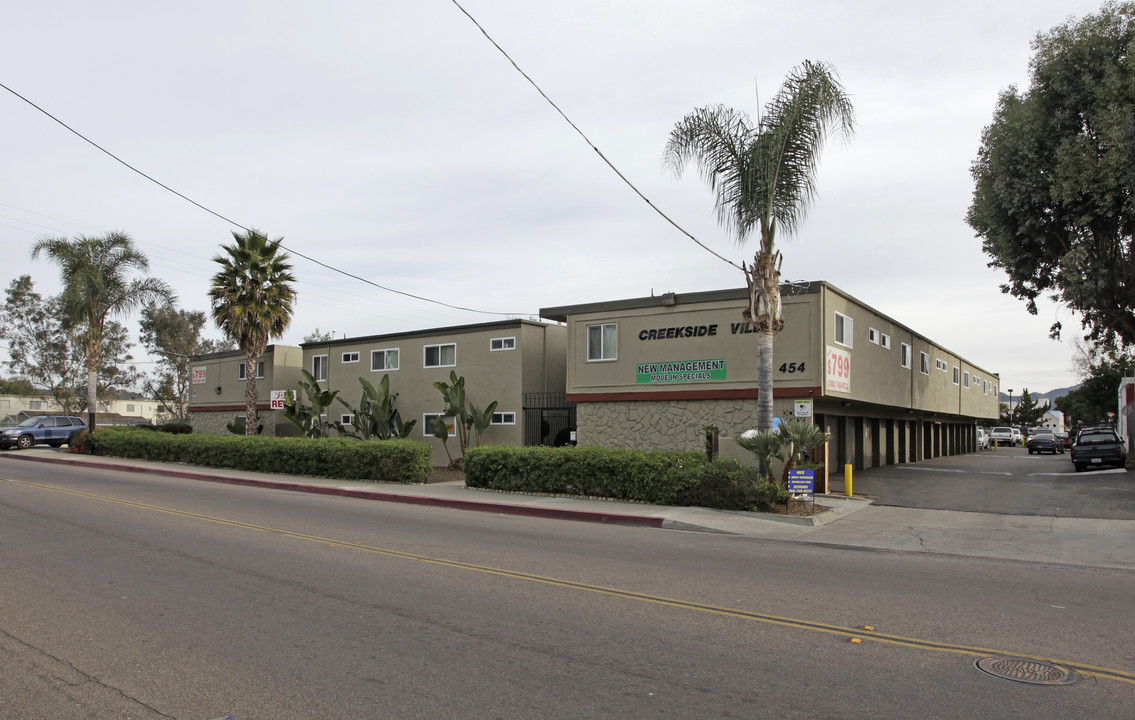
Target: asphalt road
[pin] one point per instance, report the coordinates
(130, 596)
(1006, 481)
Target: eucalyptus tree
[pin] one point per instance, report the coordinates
(763, 175)
(100, 283)
(253, 301)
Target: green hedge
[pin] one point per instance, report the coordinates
(659, 477)
(403, 461)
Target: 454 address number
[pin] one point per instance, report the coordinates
(791, 367)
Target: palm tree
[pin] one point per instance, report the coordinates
(96, 287)
(253, 300)
(764, 178)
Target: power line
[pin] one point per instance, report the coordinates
(230, 221)
(588, 140)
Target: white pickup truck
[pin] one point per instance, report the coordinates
(1002, 436)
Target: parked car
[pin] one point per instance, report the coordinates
(1045, 442)
(1098, 447)
(1064, 438)
(982, 439)
(1018, 438)
(1002, 435)
(53, 430)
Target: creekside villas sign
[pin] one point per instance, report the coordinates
(680, 371)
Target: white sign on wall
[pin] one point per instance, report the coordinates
(277, 398)
(837, 370)
(200, 375)
(803, 408)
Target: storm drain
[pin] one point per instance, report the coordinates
(1032, 672)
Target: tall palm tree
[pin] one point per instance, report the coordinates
(253, 301)
(97, 286)
(764, 178)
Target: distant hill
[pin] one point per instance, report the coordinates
(1051, 395)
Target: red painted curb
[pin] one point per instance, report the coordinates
(500, 508)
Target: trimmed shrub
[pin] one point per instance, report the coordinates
(402, 461)
(658, 477)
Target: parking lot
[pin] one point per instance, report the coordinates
(1006, 481)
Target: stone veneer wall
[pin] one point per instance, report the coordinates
(213, 423)
(665, 424)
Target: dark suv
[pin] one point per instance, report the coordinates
(1097, 447)
(53, 430)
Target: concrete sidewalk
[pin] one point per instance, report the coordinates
(849, 521)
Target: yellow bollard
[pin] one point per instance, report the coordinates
(847, 480)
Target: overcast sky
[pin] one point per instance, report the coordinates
(393, 141)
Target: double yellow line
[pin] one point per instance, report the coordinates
(854, 634)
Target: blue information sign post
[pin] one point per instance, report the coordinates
(802, 482)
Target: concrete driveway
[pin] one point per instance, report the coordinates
(1007, 481)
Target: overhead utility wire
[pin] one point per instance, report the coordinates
(591, 144)
(92, 143)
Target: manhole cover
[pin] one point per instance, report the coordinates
(1033, 672)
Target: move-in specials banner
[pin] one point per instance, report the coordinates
(680, 371)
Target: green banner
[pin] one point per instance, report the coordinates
(680, 371)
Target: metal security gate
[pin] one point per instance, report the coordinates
(549, 419)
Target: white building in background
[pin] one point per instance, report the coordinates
(17, 408)
(1053, 420)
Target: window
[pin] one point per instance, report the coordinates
(441, 355)
(384, 359)
(844, 330)
(602, 342)
(350, 357)
(347, 419)
(242, 370)
(924, 363)
(319, 367)
(965, 379)
(885, 340)
(508, 343)
(957, 374)
(873, 335)
(35, 405)
(428, 421)
(904, 355)
(504, 418)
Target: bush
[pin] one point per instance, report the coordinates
(404, 461)
(659, 477)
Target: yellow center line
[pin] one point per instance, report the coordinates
(842, 631)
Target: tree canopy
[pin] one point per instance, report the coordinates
(253, 300)
(763, 176)
(1054, 179)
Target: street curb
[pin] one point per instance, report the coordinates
(499, 508)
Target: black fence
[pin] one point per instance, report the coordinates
(549, 419)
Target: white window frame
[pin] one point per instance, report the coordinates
(426, 417)
(386, 354)
(242, 370)
(350, 357)
(965, 379)
(906, 355)
(347, 419)
(957, 375)
(844, 330)
(440, 360)
(885, 340)
(924, 363)
(505, 418)
(604, 353)
(502, 344)
(873, 336)
(319, 367)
